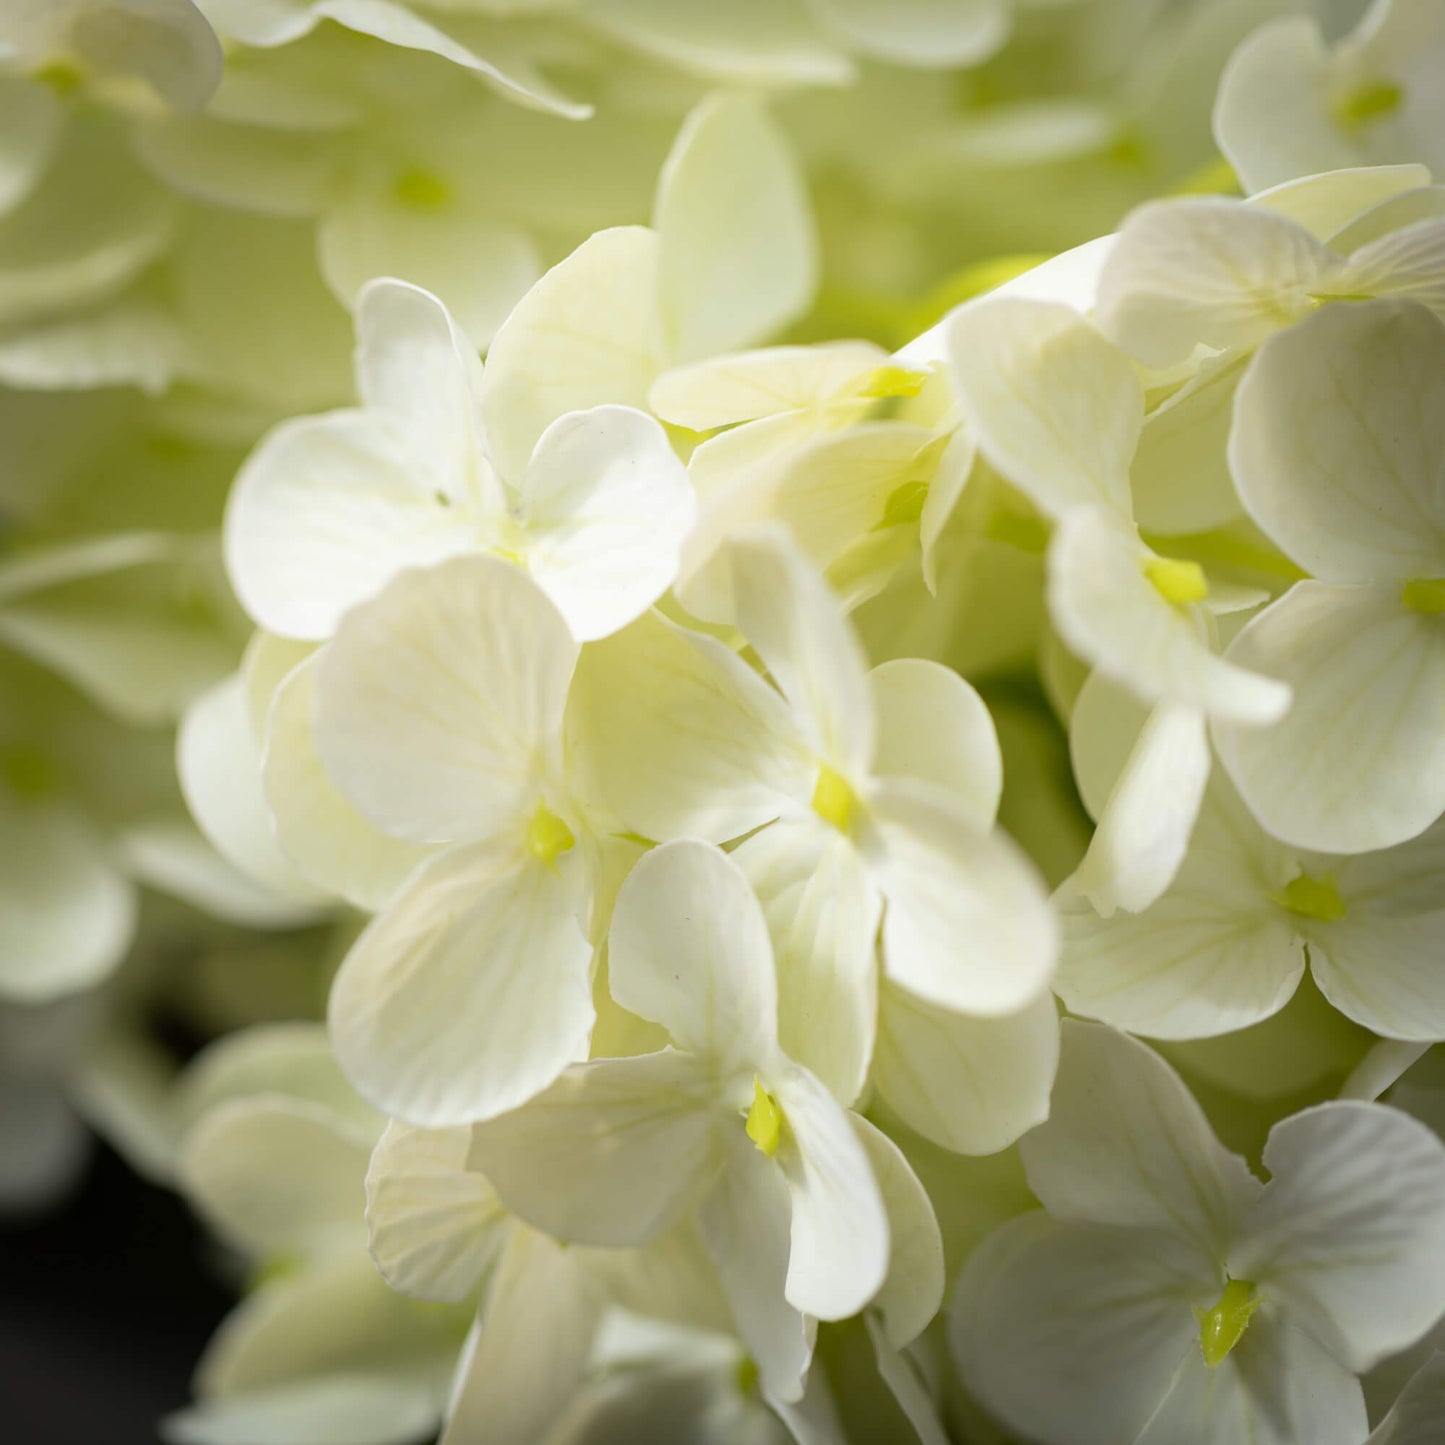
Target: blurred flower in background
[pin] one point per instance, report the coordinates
(609, 607)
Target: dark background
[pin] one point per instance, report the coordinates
(105, 1306)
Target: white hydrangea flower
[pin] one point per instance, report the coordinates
(1226, 275)
(692, 1387)
(553, 1316)
(1338, 448)
(723, 1123)
(386, 167)
(1059, 411)
(1168, 1295)
(168, 43)
(1193, 286)
(330, 508)
(438, 1232)
(879, 790)
(1226, 945)
(273, 1152)
(731, 257)
(499, 60)
(806, 437)
(442, 716)
(1290, 105)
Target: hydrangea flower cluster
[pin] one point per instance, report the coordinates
(769, 677)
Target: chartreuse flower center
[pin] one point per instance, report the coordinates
(1222, 1327)
(1424, 594)
(27, 772)
(62, 74)
(1369, 101)
(765, 1120)
(834, 801)
(1176, 580)
(747, 1376)
(891, 380)
(1317, 898)
(548, 836)
(422, 190)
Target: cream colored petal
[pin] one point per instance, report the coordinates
(1075, 1332)
(735, 227)
(913, 1292)
(1349, 1235)
(1127, 1145)
(589, 332)
(606, 506)
(933, 726)
(796, 624)
(840, 1237)
(1143, 775)
(689, 950)
(1358, 762)
(1215, 273)
(746, 385)
(680, 738)
(966, 924)
(218, 761)
(614, 1153)
(528, 1352)
(1054, 405)
(325, 512)
(746, 1223)
(970, 1085)
(1338, 442)
(439, 704)
(822, 912)
(332, 845)
(434, 1225)
(469, 994)
(276, 1177)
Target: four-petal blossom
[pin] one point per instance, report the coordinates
(1168, 1295)
(619, 1150)
(879, 791)
(329, 508)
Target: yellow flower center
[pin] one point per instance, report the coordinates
(422, 190)
(62, 74)
(890, 380)
(1221, 1328)
(1424, 594)
(1317, 898)
(833, 800)
(765, 1120)
(747, 1377)
(1371, 100)
(27, 772)
(548, 836)
(1177, 581)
